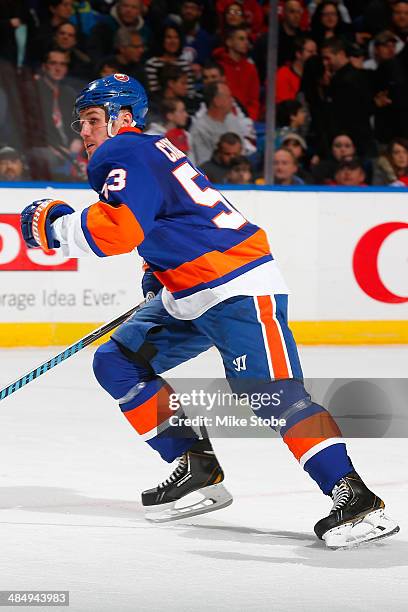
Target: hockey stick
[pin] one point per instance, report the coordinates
(68, 352)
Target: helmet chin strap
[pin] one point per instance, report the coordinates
(110, 125)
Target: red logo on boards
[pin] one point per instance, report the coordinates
(14, 255)
(365, 263)
(121, 77)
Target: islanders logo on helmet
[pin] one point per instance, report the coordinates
(121, 77)
(113, 93)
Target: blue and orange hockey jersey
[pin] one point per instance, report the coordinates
(154, 199)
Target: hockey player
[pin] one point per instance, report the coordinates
(222, 288)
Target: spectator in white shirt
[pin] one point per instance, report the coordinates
(216, 121)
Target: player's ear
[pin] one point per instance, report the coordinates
(127, 118)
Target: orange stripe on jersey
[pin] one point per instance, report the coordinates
(114, 229)
(152, 413)
(214, 264)
(311, 431)
(273, 337)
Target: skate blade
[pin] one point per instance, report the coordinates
(372, 527)
(213, 498)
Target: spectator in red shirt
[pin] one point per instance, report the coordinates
(288, 77)
(240, 72)
(391, 168)
(252, 10)
(232, 17)
(176, 118)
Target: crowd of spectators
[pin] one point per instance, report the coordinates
(341, 85)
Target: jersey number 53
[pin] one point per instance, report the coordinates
(186, 175)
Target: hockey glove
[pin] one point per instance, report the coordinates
(36, 220)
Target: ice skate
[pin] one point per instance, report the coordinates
(357, 516)
(198, 473)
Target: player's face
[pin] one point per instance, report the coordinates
(93, 128)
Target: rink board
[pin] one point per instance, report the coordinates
(343, 254)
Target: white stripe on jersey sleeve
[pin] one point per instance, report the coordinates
(68, 231)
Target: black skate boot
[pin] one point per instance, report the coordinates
(198, 471)
(357, 515)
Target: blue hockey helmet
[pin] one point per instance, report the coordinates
(113, 93)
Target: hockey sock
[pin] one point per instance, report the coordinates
(310, 432)
(147, 408)
(144, 399)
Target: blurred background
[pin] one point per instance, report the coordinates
(340, 99)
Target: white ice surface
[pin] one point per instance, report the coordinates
(71, 473)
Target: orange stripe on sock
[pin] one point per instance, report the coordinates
(152, 413)
(274, 339)
(311, 431)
